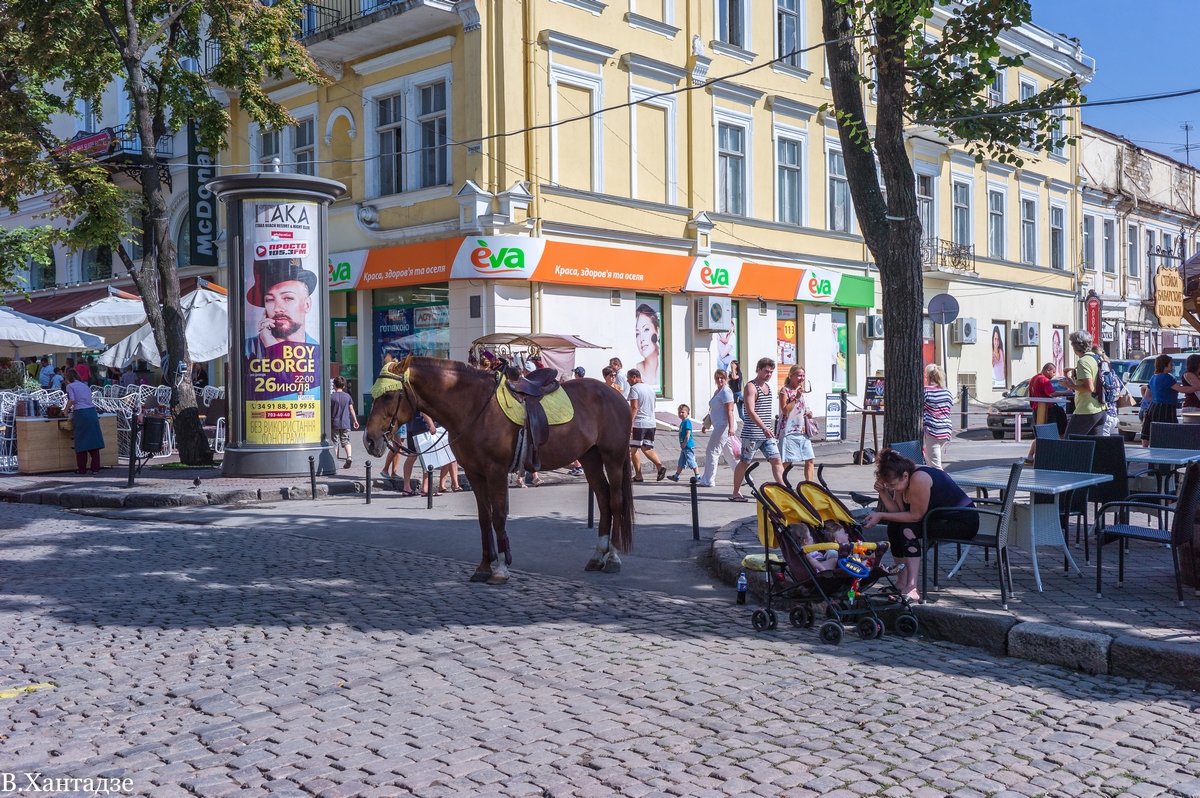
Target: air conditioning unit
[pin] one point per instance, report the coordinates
(1027, 333)
(873, 327)
(714, 314)
(964, 331)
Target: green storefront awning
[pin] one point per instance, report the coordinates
(855, 292)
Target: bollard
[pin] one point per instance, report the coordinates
(429, 493)
(312, 475)
(963, 405)
(591, 508)
(844, 421)
(368, 482)
(133, 443)
(695, 508)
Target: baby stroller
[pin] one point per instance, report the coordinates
(824, 560)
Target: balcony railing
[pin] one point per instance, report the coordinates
(937, 254)
(131, 144)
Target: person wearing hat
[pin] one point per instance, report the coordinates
(283, 289)
(580, 372)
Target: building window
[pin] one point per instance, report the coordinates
(95, 264)
(304, 149)
(88, 113)
(1028, 230)
(1089, 242)
(962, 213)
(1132, 258)
(996, 224)
(791, 180)
(1058, 237)
(731, 22)
(1168, 249)
(1110, 246)
(390, 133)
(1028, 90)
(840, 208)
(996, 89)
(1059, 146)
(1151, 260)
(788, 32)
(925, 206)
(268, 146)
(435, 161)
(731, 169)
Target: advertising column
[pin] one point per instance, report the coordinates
(279, 416)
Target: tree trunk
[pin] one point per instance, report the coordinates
(890, 228)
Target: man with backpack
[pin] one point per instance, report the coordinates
(1116, 395)
(1091, 410)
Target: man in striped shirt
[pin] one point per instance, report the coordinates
(759, 430)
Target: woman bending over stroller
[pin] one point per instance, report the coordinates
(907, 492)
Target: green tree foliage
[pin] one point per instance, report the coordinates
(56, 52)
(937, 82)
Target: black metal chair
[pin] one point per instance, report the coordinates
(910, 449)
(1109, 458)
(1071, 455)
(997, 539)
(1180, 532)
(1046, 432)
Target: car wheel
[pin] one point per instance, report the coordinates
(1128, 436)
(998, 434)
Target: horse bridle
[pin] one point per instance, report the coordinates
(399, 448)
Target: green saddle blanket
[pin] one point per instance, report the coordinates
(557, 405)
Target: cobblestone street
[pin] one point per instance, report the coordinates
(247, 659)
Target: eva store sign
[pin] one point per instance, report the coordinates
(818, 285)
(714, 274)
(344, 269)
(497, 258)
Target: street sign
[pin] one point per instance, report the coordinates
(1092, 306)
(833, 416)
(943, 309)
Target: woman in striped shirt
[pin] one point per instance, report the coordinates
(935, 414)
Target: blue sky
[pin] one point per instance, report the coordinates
(1142, 47)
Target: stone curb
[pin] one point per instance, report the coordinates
(119, 497)
(1097, 653)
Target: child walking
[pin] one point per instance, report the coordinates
(687, 444)
(344, 419)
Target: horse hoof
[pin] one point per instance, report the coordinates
(497, 579)
(612, 567)
(594, 565)
(481, 576)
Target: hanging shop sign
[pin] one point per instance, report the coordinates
(497, 258)
(1092, 310)
(345, 269)
(1168, 297)
(202, 206)
(714, 274)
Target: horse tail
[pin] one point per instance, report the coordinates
(622, 529)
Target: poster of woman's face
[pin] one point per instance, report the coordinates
(999, 361)
(648, 340)
(1056, 350)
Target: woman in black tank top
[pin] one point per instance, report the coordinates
(907, 492)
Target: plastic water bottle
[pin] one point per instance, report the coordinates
(741, 588)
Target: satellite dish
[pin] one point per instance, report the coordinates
(943, 309)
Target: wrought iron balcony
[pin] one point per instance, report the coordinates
(129, 144)
(939, 255)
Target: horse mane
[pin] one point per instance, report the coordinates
(463, 371)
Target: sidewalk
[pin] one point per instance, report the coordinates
(1136, 631)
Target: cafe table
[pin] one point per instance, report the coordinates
(1034, 524)
(1161, 455)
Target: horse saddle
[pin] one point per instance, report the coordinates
(534, 402)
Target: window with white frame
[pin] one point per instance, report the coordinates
(1059, 146)
(731, 168)
(304, 146)
(1058, 237)
(1089, 242)
(1109, 232)
(996, 89)
(840, 209)
(962, 212)
(790, 177)
(925, 206)
(1132, 257)
(434, 155)
(732, 27)
(995, 223)
(389, 132)
(88, 114)
(268, 145)
(1151, 240)
(1028, 90)
(1168, 245)
(789, 32)
(657, 10)
(1028, 230)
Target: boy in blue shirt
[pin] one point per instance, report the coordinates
(687, 444)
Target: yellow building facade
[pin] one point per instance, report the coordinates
(571, 166)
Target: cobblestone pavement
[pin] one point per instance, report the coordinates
(212, 661)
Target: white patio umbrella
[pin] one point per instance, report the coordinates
(23, 336)
(114, 317)
(205, 326)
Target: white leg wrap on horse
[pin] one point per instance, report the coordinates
(603, 546)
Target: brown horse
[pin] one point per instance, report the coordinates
(462, 400)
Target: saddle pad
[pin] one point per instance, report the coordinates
(557, 405)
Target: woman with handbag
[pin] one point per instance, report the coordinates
(796, 425)
(85, 423)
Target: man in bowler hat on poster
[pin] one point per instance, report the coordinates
(283, 289)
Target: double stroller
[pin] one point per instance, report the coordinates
(823, 559)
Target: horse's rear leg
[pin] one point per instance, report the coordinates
(480, 487)
(498, 505)
(593, 467)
